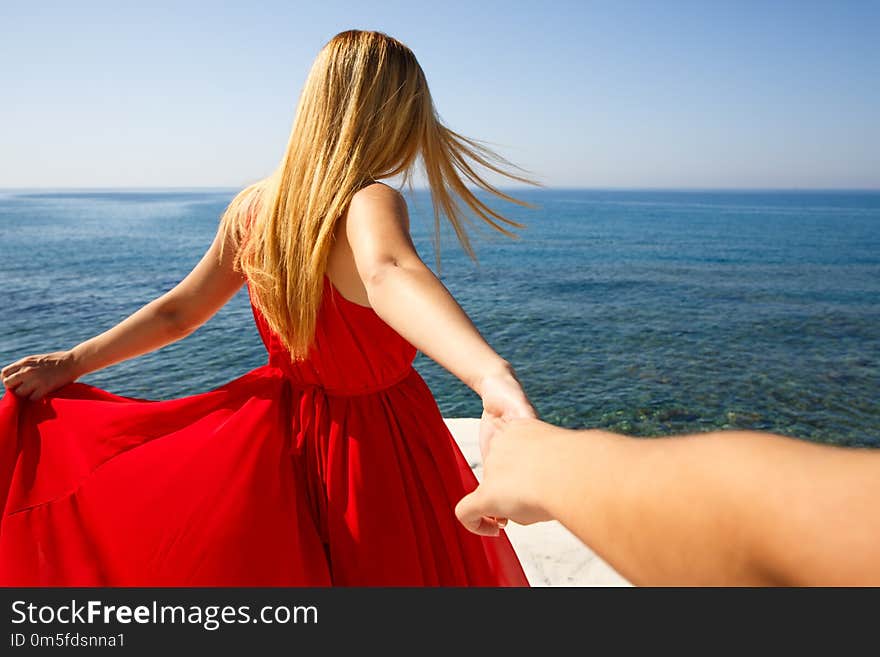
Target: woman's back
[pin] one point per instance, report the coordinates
(354, 350)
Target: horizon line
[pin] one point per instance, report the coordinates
(141, 188)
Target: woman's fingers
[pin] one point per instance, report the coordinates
(470, 512)
(524, 410)
(527, 410)
(13, 380)
(23, 385)
(488, 425)
(27, 390)
(14, 365)
(24, 390)
(488, 527)
(9, 370)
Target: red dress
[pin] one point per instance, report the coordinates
(337, 470)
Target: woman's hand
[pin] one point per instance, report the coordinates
(35, 376)
(503, 399)
(513, 477)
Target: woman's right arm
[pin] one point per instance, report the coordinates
(728, 508)
(166, 319)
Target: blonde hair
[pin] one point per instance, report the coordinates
(365, 114)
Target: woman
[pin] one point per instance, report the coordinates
(331, 464)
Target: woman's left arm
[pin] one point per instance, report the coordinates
(407, 295)
(169, 318)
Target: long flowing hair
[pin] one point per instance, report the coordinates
(365, 113)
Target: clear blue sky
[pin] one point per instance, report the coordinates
(583, 94)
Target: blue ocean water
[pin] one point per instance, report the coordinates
(645, 312)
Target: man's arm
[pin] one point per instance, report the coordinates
(728, 508)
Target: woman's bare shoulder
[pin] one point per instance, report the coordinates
(378, 203)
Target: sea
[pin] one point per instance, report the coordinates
(644, 312)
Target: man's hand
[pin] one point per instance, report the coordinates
(512, 479)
